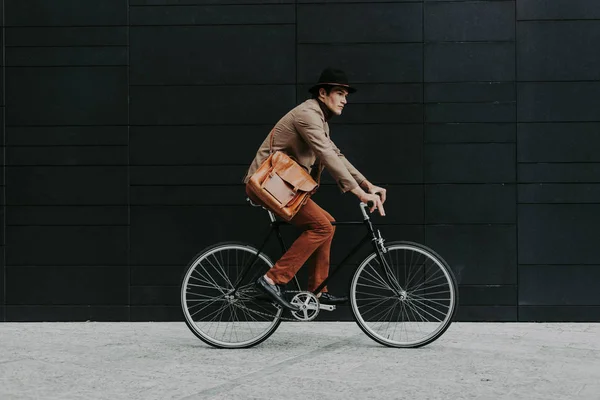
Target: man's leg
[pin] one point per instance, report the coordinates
(319, 261)
(319, 270)
(317, 230)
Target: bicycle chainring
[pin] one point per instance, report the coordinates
(309, 306)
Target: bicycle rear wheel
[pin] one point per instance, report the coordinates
(409, 301)
(213, 312)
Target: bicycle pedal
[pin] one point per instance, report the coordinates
(327, 307)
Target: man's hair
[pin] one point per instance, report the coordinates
(315, 93)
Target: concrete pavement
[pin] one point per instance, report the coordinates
(329, 360)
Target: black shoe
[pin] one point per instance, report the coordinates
(274, 293)
(262, 296)
(327, 298)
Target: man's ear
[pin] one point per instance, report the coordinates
(322, 92)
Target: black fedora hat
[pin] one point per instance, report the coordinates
(332, 77)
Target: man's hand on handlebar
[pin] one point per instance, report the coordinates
(381, 192)
(374, 202)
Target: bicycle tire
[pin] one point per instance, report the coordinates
(213, 291)
(368, 283)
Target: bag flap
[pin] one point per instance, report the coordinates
(292, 173)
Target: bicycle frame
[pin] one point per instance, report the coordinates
(369, 236)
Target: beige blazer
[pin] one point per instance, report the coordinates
(303, 134)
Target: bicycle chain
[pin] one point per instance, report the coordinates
(281, 317)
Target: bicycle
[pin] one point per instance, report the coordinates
(389, 292)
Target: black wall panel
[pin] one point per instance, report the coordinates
(66, 96)
(557, 9)
(65, 13)
(179, 105)
(372, 63)
(559, 172)
(470, 150)
(546, 230)
(566, 50)
(212, 15)
(391, 22)
(66, 215)
(470, 92)
(559, 313)
(561, 193)
(470, 204)
(66, 185)
(559, 142)
(470, 163)
(128, 125)
(66, 245)
(463, 61)
(36, 36)
(557, 101)
(67, 160)
(158, 55)
(67, 285)
(66, 135)
(478, 254)
(362, 145)
(185, 145)
(470, 21)
(557, 70)
(470, 133)
(570, 285)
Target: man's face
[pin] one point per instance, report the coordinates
(335, 100)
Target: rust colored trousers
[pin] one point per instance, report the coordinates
(312, 246)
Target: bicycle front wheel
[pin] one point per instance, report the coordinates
(216, 313)
(406, 301)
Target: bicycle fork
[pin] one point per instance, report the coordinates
(388, 274)
(378, 245)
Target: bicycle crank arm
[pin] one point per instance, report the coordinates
(327, 307)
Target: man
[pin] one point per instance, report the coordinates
(303, 134)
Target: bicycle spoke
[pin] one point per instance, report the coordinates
(417, 288)
(375, 282)
(389, 273)
(374, 307)
(216, 285)
(416, 305)
(377, 279)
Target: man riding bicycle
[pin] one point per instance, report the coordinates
(303, 134)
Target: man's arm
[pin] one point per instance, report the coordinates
(310, 127)
(360, 178)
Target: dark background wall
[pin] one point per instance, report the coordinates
(128, 124)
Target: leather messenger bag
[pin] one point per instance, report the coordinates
(282, 184)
